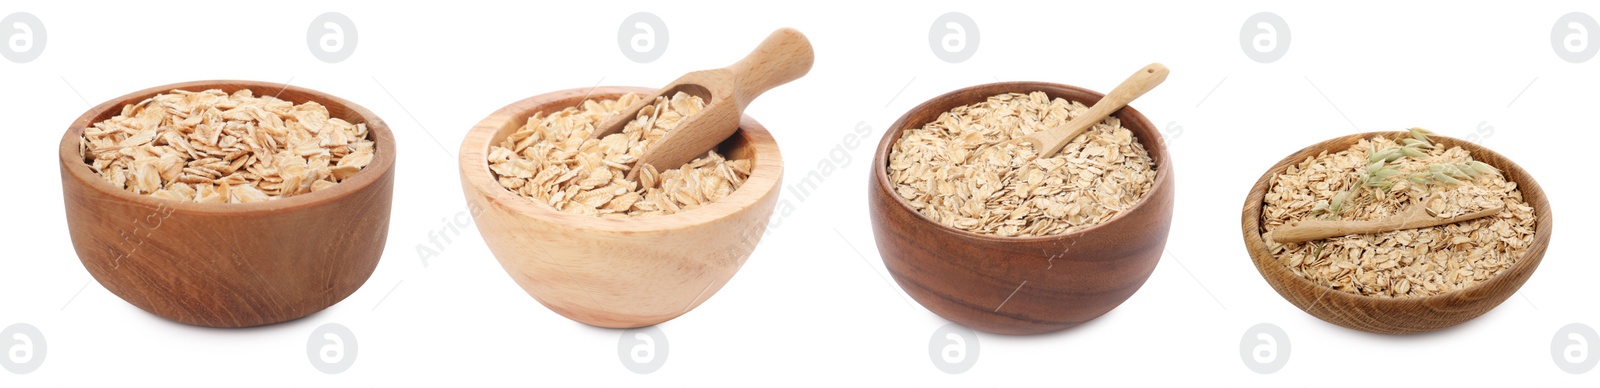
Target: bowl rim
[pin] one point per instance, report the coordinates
(382, 163)
(766, 172)
(880, 159)
(1527, 262)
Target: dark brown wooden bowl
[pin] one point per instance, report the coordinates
(1396, 315)
(231, 265)
(1020, 285)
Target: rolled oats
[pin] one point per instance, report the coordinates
(961, 171)
(551, 161)
(1403, 263)
(214, 147)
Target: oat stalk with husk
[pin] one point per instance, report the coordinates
(1379, 177)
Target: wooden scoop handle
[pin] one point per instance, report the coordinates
(1311, 230)
(784, 56)
(1050, 141)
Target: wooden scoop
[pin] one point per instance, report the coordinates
(785, 56)
(1415, 216)
(1050, 141)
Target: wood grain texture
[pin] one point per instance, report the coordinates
(1396, 315)
(618, 273)
(1020, 285)
(231, 265)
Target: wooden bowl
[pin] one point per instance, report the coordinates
(1020, 285)
(618, 273)
(230, 265)
(1396, 315)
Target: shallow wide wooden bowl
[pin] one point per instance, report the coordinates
(231, 265)
(618, 273)
(1396, 315)
(1020, 285)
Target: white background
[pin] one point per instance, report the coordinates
(814, 305)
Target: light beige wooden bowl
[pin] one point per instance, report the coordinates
(618, 273)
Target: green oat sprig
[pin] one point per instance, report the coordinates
(1452, 173)
(1382, 167)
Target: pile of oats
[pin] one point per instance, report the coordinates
(551, 161)
(212, 147)
(1003, 190)
(1404, 263)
